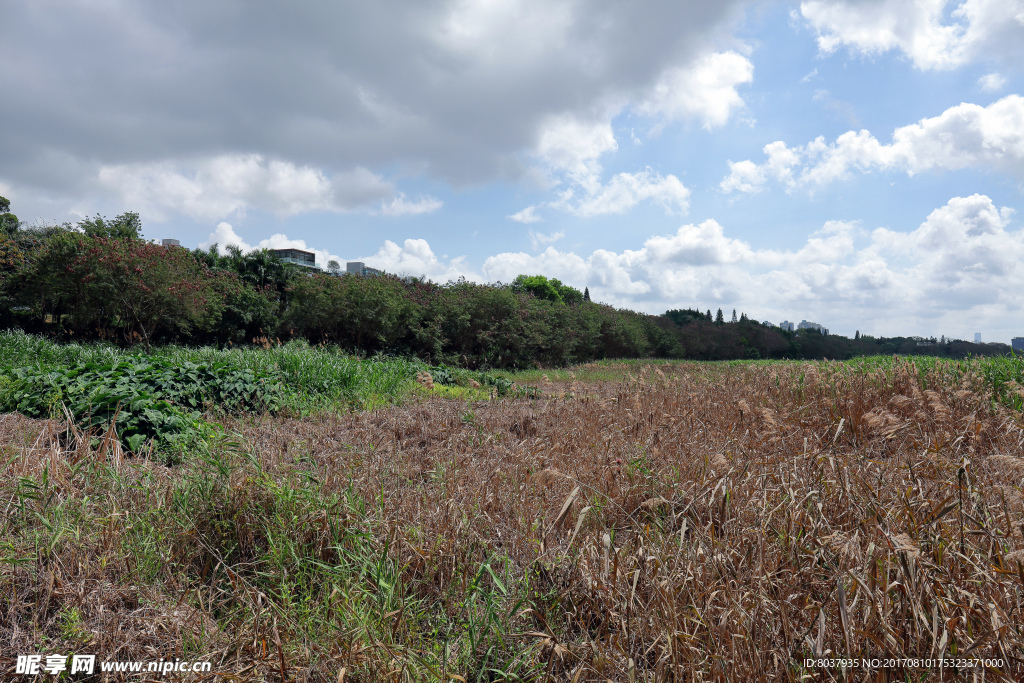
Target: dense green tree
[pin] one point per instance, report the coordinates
(85, 286)
(141, 290)
(262, 269)
(685, 316)
(538, 285)
(719, 317)
(127, 226)
(570, 295)
(548, 289)
(366, 314)
(8, 221)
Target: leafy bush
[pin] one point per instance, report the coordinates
(147, 399)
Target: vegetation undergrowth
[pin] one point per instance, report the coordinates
(159, 397)
(684, 522)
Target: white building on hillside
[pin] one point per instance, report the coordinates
(805, 325)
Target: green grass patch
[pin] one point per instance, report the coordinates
(163, 397)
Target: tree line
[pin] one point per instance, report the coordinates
(100, 279)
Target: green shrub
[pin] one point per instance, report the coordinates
(147, 399)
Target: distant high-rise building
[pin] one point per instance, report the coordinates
(1018, 344)
(360, 268)
(170, 243)
(298, 257)
(807, 325)
(788, 326)
(977, 337)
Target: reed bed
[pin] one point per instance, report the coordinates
(689, 522)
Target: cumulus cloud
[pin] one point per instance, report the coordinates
(976, 29)
(963, 266)
(539, 239)
(992, 82)
(626, 190)
(570, 149)
(574, 147)
(416, 258)
(744, 176)
(527, 215)
(964, 136)
(400, 207)
(228, 185)
(570, 146)
(698, 262)
(224, 235)
(705, 90)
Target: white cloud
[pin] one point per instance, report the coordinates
(705, 90)
(626, 190)
(979, 29)
(571, 149)
(964, 136)
(961, 267)
(223, 186)
(224, 235)
(992, 82)
(572, 146)
(527, 215)
(416, 258)
(538, 239)
(696, 245)
(744, 176)
(400, 207)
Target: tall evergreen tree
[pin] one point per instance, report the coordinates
(719, 318)
(734, 315)
(586, 293)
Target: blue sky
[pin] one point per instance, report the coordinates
(854, 163)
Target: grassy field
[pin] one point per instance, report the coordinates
(630, 521)
(314, 378)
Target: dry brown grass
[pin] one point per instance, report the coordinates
(695, 522)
